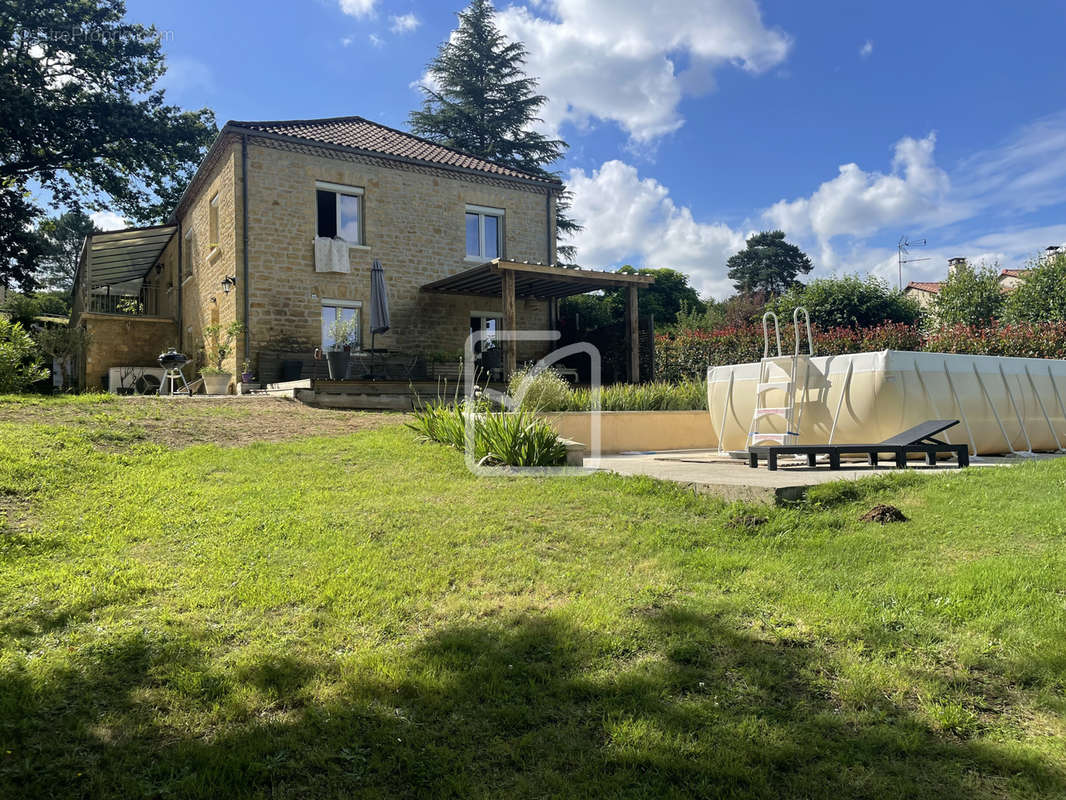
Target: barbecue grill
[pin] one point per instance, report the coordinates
(172, 361)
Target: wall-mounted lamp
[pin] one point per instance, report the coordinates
(228, 283)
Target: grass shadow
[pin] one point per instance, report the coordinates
(523, 706)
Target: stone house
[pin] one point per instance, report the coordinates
(454, 233)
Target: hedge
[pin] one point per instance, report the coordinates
(688, 353)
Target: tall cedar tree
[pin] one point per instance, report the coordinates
(481, 102)
(768, 265)
(82, 117)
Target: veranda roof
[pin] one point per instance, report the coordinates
(116, 257)
(533, 280)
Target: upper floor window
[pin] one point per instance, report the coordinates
(484, 232)
(340, 211)
(212, 222)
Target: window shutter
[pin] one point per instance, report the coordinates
(327, 213)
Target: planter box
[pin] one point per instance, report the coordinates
(640, 431)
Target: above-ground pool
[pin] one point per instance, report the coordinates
(1003, 404)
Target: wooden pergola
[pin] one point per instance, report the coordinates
(510, 280)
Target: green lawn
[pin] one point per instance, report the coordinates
(357, 616)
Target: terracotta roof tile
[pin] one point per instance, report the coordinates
(1013, 273)
(362, 134)
(926, 286)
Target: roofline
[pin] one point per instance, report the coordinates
(243, 127)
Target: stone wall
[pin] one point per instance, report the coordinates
(201, 267)
(413, 223)
(120, 341)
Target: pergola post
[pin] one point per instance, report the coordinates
(510, 355)
(633, 334)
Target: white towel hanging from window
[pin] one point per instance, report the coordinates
(339, 256)
(331, 255)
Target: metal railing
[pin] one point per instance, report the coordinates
(144, 303)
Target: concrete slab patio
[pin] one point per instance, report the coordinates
(708, 472)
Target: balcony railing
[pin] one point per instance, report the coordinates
(144, 303)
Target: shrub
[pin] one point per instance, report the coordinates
(687, 395)
(1042, 298)
(687, 354)
(545, 390)
(514, 439)
(970, 296)
(20, 363)
(849, 301)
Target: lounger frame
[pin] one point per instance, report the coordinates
(917, 440)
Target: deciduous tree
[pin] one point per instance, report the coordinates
(82, 117)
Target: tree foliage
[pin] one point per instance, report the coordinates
(23, 308)
(81, 116)
(61, 241)
(848, 302)
(767, 264)
(63, 344)
(970, 296)
(665, 299)
(20, 363)
(1042, 297)
(479, 100)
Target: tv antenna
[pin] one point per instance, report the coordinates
(903, 250)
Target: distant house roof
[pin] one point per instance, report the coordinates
(933, 287)
(1013, 273)
(362, 135)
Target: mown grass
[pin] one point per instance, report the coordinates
(360, 617)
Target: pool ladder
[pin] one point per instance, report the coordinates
(783, 374)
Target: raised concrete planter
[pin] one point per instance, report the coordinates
(638, 431)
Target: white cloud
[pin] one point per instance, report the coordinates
(616, 60)
(404, 23)
(107, 220)
(1027, 171)
(867, 49)
(629, 217)
(358, 8)
(859, 203)
(849, 223)
(346, 41)
(376, 40)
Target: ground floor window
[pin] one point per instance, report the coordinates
(341, 311)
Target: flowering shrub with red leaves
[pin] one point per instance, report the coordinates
(687, 353)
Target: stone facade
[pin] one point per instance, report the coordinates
(413, 222)
(124, 341)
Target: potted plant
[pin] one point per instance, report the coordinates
(246, 372)
(218, 344)
(343, 333)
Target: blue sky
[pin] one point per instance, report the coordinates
(693, 123)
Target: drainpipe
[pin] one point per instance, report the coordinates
(181, 278)
(244, 233)
(548, 226)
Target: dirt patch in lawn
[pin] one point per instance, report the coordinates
(115, 423)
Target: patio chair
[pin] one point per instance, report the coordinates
(919, 439)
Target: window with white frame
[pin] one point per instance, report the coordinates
(341, 311)
(484, 232)
(212, 223)
(340, 211)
